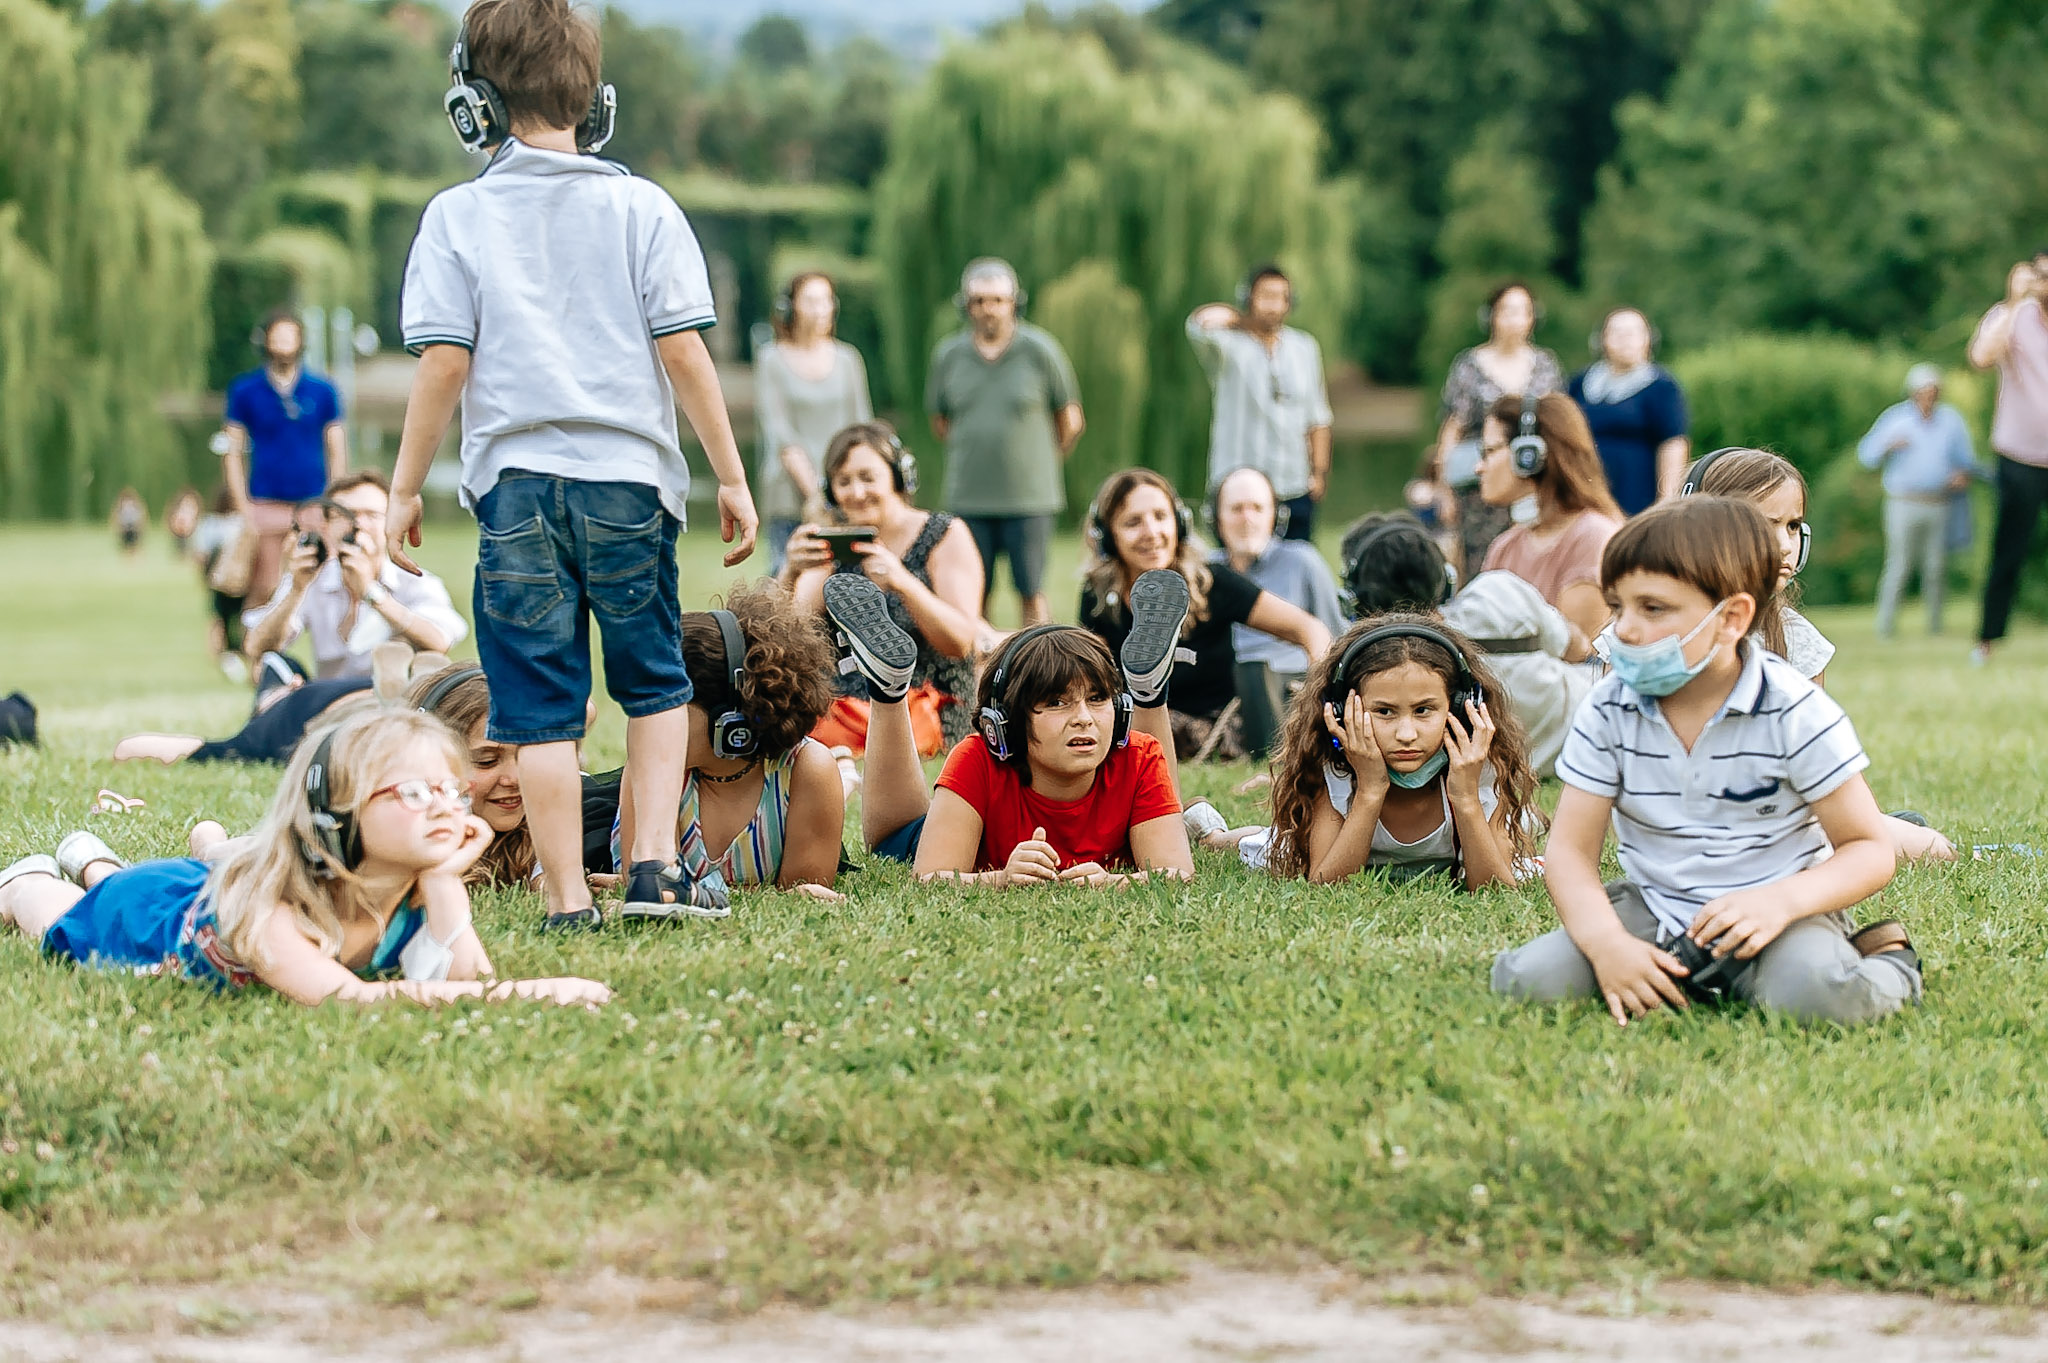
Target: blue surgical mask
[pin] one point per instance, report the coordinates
(1659, 668)
(1422, 775)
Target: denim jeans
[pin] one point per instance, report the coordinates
(552, 553)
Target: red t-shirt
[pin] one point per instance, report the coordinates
(1130, 788)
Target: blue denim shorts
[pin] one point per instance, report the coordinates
(551, 554)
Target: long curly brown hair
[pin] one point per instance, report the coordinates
(790, 665)
(1105, 568)
(1305, 743)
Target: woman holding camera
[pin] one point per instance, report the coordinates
(925, 563)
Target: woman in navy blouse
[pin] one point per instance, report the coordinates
(1636, 411)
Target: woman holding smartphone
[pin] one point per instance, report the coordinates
(925, 563)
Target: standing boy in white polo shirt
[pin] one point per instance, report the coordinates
(560, 297)
(1728, 777)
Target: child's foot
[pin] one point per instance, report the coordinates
(41, 864)
(1159, 603)
(80, 850)
(204, 837)
(164, 748)
(655, 891)
(1885, 938)
(871, 643)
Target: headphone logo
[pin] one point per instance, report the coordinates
(993, 720)
(482, 121)
(734, 736)
(1528, 450)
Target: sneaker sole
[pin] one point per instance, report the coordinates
(665, 911)
(856, 607)
(1159, 603)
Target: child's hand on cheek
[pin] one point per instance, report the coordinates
(476, 836)
(1032, 862)
(1361, 751)
(1470, 740)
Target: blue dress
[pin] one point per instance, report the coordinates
(157, 919)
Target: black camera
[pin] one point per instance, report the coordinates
(1712, 978)
(310, 539)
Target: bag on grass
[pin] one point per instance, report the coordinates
(17, 720)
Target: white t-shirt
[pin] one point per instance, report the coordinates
(1735, 812)
(557, 272)
(1545, 689)
(1806, 648)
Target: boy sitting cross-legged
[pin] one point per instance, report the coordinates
(1727, 776)
(560, 298)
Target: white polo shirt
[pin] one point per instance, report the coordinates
(327, 607)
(557, 272)
(1734, 813)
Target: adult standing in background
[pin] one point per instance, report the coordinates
(2013, 338)
(1272, 408)
(281, 443)
(1245, 512)
(1637, 414)
(1924, 448)
(808, 386)
(1002, 395)
(1506, 364)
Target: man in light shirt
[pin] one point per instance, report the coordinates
(1272, 408)
(2013, 338)
(1925, 451)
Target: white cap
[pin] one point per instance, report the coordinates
(1921, 377)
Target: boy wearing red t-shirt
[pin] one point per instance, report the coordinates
(1055, 787)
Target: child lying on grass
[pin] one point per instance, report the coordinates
(356, 873)
(1727, 776)
(1055, 788)
(1402, 753)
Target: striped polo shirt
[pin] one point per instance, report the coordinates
(1735, 812)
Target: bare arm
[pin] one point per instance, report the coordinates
(1672, 457)
(1067, 424)
(336, 436)
(1992, 341)
(1318, 462)
(446, 904)
(941, 426)
(1447, 435)
(817, 816)
(951, 842)
(695, 379)
(280, 623)
(304, 974)
(436, 388)
(947, 614)
(1585, 607)
(1159, 847)
(1340, 844)
(1283, 620)
(1634, 976)
(234, 465)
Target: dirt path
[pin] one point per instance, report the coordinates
(1210, 1315)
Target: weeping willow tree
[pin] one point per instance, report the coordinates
(1125, 196)
(103, 275)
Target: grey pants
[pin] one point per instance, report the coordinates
(1810, 972)
(1915, 535)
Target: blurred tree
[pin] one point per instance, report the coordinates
(658, 94)
(1402, 87)
(103, 272)
(852, 141)
(775, 42)
(373, 77)
(1862, 166)
(1164, 181)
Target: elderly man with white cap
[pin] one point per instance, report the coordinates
(1928, 460)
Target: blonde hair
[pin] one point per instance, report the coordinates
(281, 866)
(1105, 567)
(1750, 475)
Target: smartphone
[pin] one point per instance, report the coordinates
(842, 539)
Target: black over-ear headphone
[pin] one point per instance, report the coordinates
(989, 265)
(1347, 592)
(995, 718)
(1528, 451)
(902, 464)
(733, 735)
(1099, 538)
(334, 834)
(1212, 509)
(1464, 685)
(477, 111)
(1696, 476)
(439, 691)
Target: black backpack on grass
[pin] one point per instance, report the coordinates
(17, 720)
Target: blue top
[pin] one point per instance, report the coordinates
(287, 434)
(1628, 432)
(1293, 571)
(1937, 448)
(157, 918)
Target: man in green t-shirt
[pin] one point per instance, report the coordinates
(1002, 396)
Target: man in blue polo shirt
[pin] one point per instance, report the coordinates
(284, 444)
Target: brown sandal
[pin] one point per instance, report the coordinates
(1875, 940)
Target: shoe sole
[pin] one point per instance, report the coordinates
(92, 847)
(1159, 603)
(587, 920)
(856, 607)
(41, 864)
(665, 911)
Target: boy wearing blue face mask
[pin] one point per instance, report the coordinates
(1727, 777)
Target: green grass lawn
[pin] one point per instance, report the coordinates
(917, 1091)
